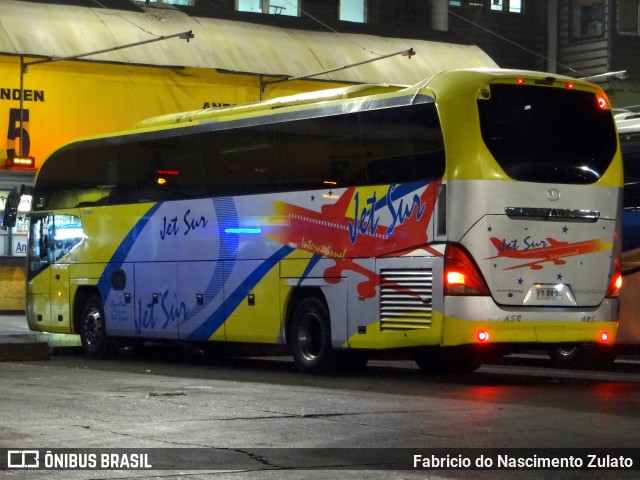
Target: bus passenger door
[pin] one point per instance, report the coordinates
(38, 304)
(51, 237)
(200, 310)
(156, 300)
(59, 295)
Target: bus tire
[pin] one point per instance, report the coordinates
(567, 357)
(310, 337)
(583, 356)
(93, 334)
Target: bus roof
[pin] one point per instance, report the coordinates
(444, 80)
(306, 98)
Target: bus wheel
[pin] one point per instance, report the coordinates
(310, 337)
(93, 335)
(583, 356)
(567, 357)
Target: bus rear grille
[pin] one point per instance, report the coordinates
(405, 299)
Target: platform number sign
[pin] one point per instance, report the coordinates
(17, 133)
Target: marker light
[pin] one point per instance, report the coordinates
(570, 85)
(243, 230)
(604, 337)
(21, 162)
(616, 281)
(483, 336)
(520, 81)
(602, 102)
(461, 276)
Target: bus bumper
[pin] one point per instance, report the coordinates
(474, 320)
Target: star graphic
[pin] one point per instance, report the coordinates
(565, 229)
(489, 229)
(559, 276)
(313, 198)
(520, 281)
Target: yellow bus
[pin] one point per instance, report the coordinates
(629, 130)
(474, 211)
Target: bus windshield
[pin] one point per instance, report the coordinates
(547, 135)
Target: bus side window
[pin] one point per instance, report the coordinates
(319, 153)
(173, 169)
(404, 146)
(240, 161)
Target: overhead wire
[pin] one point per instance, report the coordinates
(502, 37)
(304, 12)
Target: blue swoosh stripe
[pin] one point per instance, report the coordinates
(121, 253)
(312, 263)
(227, 217)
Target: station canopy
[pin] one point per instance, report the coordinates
(42, 30)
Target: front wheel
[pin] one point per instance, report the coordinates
(310, 337)
(93, 334)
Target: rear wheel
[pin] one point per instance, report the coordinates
(310, 337)
(93, 334)
(567, 357)
(583, 356)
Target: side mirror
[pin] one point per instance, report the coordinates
(11, 207)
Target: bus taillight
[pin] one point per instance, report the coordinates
(604, 337)
(461, 275)
(603, 103)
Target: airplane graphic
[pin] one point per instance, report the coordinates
(331, 233)
(554, 252)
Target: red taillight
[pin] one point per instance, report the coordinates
(520, 81)
(570, 85)
(461, 276)
(603, 103)
(615, 284)
(604, 337)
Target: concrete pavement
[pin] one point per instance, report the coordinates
(18, 343)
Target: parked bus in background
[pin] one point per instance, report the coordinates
(628, 338)
(629, 130)
(473, 212)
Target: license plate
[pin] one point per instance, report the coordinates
(550, 293)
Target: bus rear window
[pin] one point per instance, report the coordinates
(550, 135)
